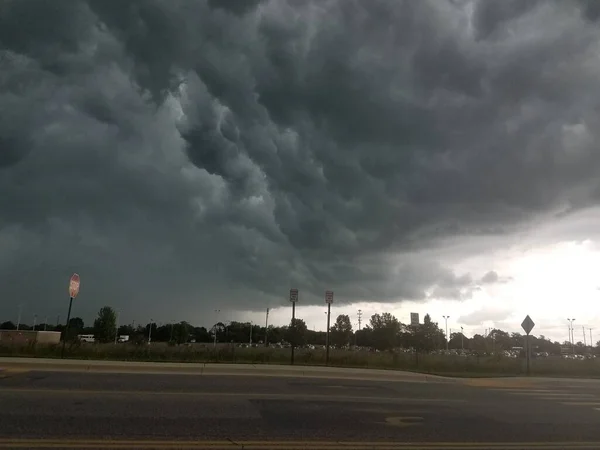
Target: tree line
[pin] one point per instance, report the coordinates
(383, 332)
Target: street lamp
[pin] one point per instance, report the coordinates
(446, 319)
(217, 311)
(150, 332)
(571, 337)
(462, 339)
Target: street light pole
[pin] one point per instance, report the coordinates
(571, 337)
(150, 332)
(267, 329)
(217, 311)
(446, 319)
(462, 339)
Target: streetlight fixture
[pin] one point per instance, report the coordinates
(446, 319)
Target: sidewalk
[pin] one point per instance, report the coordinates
(211, 369)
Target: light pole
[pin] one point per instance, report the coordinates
(217, 311)
(462, 339)
(117, 328)
(150, 332)
(267, 329)
(591, 342)
(19, 317)
(446, 319)
(34, 321)
(45, 322)
(571, 337)
(250, 333)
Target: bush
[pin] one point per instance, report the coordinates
(225, 353)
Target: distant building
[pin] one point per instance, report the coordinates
(29, 337)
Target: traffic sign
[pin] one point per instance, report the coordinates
(414, 318)
(293, 295)
(74, 283)
(527, 324)
(329, 297)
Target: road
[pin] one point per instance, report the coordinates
(75, 409)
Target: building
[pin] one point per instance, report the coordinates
(29, 337)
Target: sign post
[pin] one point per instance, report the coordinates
(329, 301)
(293, 299)
(527, 326)
(74, 283)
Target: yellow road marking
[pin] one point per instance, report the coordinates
(282, 445)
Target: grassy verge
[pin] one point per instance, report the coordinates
(455, 366)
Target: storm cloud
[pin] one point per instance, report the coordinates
(183, 156)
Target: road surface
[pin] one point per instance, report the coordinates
(74, 409)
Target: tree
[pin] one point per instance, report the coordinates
(296, 332)
(8, 326)
(385, 331)
(427, 336)
(76, 323)
(341, 332)
(105, 325)
(181, 332)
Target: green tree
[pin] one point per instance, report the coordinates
(76, 323)
(385, 331)
(8, 326)
(427, 336)
(341, 331)
(105, 324)
(296, 332)
(181, 332)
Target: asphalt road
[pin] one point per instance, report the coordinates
(139, 410)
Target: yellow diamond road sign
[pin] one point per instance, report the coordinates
(527, 324)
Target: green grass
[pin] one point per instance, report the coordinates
(455, 366)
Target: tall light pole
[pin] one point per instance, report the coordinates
(571, 337)
(591, 341)
(34, 321)
(462, 339)
(217, 311)
(45, 323)
(150, 332)
(250, 333)
(117, 328)
(267, 328)
(446, 319)
(19, 316)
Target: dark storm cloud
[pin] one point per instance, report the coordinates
(183, 154)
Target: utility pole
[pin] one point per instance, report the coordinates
(250, 333)
(462, 339)
(45, 322)
(150, 332)
(267, 328)
(34, 321)
(591, 341)
(359, 319)
(446, 319)
(584, 340)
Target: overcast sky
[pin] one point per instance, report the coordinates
(186, 156)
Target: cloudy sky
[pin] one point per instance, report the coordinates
(186, 156)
